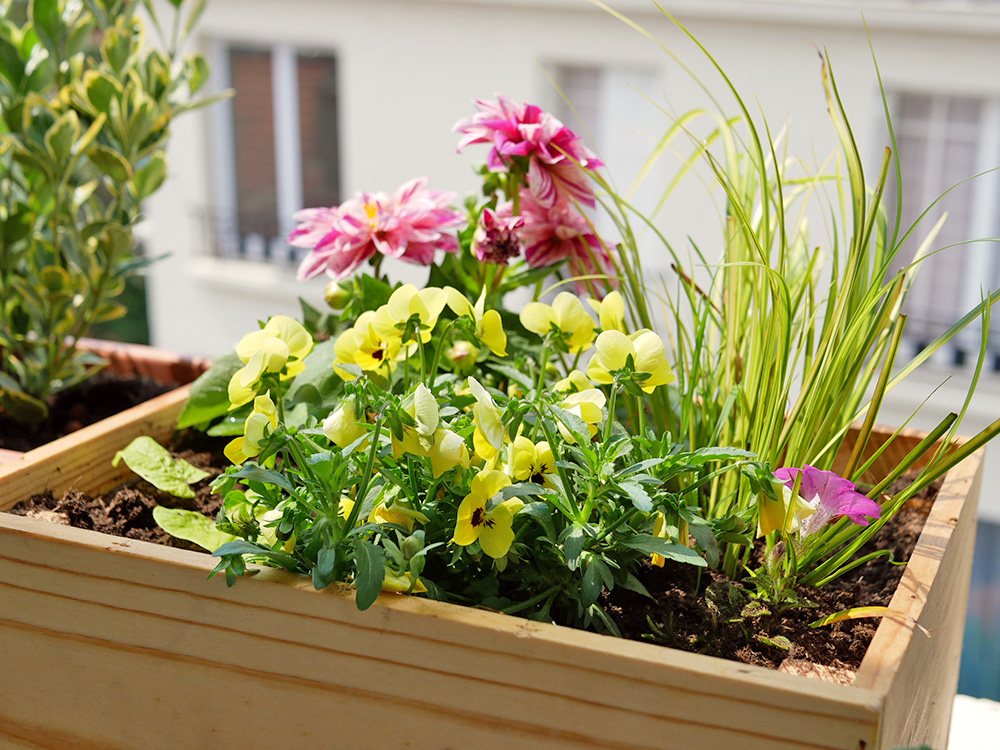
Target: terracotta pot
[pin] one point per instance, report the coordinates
(136, 359)
(109, 642)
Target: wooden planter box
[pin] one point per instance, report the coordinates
(136, 359)
(112, 643)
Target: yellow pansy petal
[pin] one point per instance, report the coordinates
(425, 410)
(433, 300)
(489, 483)
(448, 452)
(250, 343)
(537, 318)
(611, 312)
(399, 305)
(234, 450)
(458, 302)
(613, 350)
(399, 584)
(491, 333)
(497, 534)
(292, 333)
(660, 530)
(238, 393)
(383, 325)
(522, 458)
(472, 507)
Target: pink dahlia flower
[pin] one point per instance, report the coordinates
(558, 163)
(409, 225)
(496, 239)
(830, 496)
(559, 232)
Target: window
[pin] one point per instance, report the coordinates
(943, 140)
(275, 147)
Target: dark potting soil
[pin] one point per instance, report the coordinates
(712, 615)
(128, 511)
(706, 614)
(95, 399)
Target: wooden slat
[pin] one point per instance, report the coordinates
(141, 622)
(529, 684)
(917, 673)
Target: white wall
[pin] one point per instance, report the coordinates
(409, 69)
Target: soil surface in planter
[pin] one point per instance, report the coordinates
(710, 614)
(707, 614)
(93, 400)
(127, 511)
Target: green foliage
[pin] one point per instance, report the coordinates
(153, 462)
(191, 526)
(86, 111)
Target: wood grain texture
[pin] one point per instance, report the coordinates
(98, 629)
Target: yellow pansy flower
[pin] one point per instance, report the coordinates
(342, 426)
(269, 530)
(610, 311)
(587, 405)
(489, 328)
(258, 425)
(574, 382)
(448, 451)
(279, 347)
(489, 435)
(427, 439)
(400, 584)
(365, 347)
(463, 356)
(406, 302)
(646, 350)
(774, 514)
(567, 314)
(493, 529)
(532, 462)
(396, 513)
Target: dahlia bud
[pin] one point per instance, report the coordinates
(496, 240)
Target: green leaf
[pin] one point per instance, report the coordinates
(59, 138)
(191, 526)
(592, 582)
(111, 163)
(151, 176)
(706, 540)
(512, 374)
(369, 562)
(522, 489)
(576, 426)
(47, 22)
(251, 472)
(573, 546)
(323, 570)
(634, 584)
(318, 376)
(638, 495)
(654, 545)
(153, 462)
(210, 392)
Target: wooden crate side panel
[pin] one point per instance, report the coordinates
(149, 361)
(917, 673)
(83, 458)
(528, 690)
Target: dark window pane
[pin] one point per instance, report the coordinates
(319, 132)
(253, 137)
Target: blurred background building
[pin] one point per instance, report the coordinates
(338, 96)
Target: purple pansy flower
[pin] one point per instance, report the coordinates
(830, 496)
